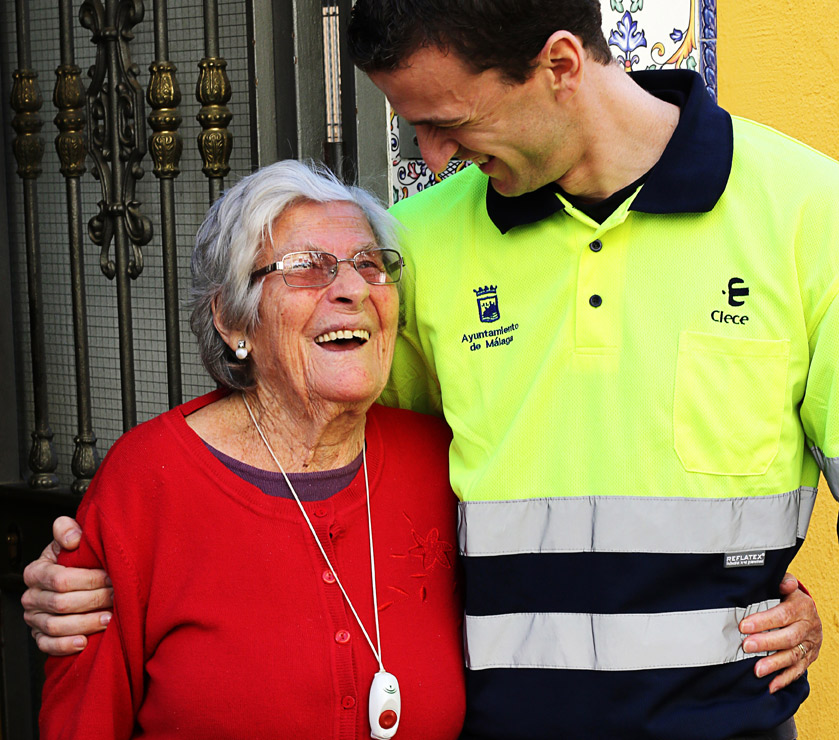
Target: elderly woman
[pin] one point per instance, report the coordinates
(330, 608)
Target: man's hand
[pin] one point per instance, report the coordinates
(795, 622)
(78, 594)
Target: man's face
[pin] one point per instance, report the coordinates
(513, 132)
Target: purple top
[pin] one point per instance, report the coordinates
(315, 486)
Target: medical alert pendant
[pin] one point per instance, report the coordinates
(385, 706)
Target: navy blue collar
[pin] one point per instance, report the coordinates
(690, 176)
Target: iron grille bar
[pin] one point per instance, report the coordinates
(117, 144)
(29, 149)
(349, 104)
(215, 142)
(69, 98)
(166, 145)
(116, 210)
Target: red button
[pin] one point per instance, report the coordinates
(342, 636)
(328, 576)
(348, 702)
(321, 512)
(387, 719)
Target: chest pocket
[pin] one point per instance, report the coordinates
(729, 403)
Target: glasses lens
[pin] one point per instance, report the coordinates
(379, 266)
(309, 269)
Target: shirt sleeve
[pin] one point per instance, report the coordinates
(820, 408)
(97, 693)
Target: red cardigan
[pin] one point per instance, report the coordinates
(227, 622)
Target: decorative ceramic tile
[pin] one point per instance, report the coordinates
(658, 34)
(642, 34)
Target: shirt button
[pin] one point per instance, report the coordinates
(321, 512)
(342, 637)
(596, 245)
(328, 576)
(348, 702)
(595, 301)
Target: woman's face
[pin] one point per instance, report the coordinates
(291, 348)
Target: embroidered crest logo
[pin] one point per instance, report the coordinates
(487, 304)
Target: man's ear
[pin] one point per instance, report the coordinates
(564, 57)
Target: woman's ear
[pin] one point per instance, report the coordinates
(231, 338)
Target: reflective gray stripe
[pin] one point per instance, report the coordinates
(634, 524)
(608, 642)
(830, 468)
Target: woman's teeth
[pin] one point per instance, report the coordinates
(331, 336)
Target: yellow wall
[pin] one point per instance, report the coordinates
(777, 64)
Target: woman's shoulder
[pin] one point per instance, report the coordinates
(160, 429)
(149, 453)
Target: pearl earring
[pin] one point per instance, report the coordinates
(241, 350)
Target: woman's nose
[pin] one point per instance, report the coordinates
(348, 285)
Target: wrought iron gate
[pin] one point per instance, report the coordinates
(92, 316)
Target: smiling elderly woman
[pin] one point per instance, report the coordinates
(337, 515)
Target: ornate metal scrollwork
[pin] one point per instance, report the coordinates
(213, 91)
(68, 97)
(120, 99)
(26, 101)
(42, 460)
(164, 96)
(84, 463)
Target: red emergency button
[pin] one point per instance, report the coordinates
(328, 576)
(348, 702)
(387, 719)
(342, 636)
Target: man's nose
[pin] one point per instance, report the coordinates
(436, 146)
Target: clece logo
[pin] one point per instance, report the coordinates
(735, 294)
(487, 297)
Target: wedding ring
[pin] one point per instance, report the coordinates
(802, 649)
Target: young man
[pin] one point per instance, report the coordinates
(626, 313)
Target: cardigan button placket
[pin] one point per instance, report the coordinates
(341, 619)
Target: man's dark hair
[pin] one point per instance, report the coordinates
(486, 34)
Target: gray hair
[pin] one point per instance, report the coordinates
(231, 239)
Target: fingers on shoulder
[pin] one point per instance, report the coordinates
(66, 532)
(62, 579)
(71, 625)
(59, 646)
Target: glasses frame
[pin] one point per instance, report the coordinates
(278, 267)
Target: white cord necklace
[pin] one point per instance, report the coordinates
(385, 703)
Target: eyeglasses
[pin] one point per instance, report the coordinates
(316, 269)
